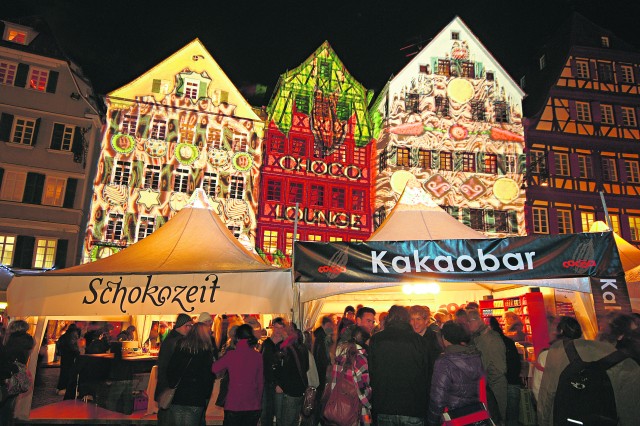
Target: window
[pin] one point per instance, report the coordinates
(239, 143)
(627, 73)
(236, 230)
(152, 177)
(584, 162)
(477, 110)
(274, 190)
(7, 247)
(510, 163)
(299, 147)
(606, 112)
(424, 159)
(338, 198)
(270, 241)
(587, 219)
(446, 162)
(53, 194)
(444, 67)
(236, 188)
(181, 179)
(542, 62)
(582, 69)
(490, 76)
(442, 105)
(302, 103)
(289, 243)
(565, 224)
(501, 219)
(129, 124)
(538, 161)
(210, 184)
(7, 73)
(379, 216)
(316, 197)
(633, 173)
(334, 239)
(114, 227)
(359, 155)
(191, 89)
(615, 222)
(187, 130)
(634, 224)
(357, 200)
(412, 102)
(468, 70)
(62, 137)
(562, 164)
(38, 79)
(45, 253)
(605, 72)
(628, 117)
(121, 173)
(424, 69)
(296, 190)
(604, 41)
(213, 137)
(404, 157)
(13, 184)
(324, 68)
(491, 163)
(17, 36)
(609, 170)
(158, 129)
(468, 162)
(23, 131)
(540, 220)
(476, 219)
(277, 144)
(455, 35)
(146, 225)
(583, 111)
(382, 160)
(313, 237)
(501, 112)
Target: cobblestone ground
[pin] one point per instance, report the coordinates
(44, 391)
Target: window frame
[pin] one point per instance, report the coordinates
(609, 169)
(338, 197)
(270, 240)
(8, 71)
(626, 73)
(41, 79)
(585, 165)
(317, 195)
(181, 179)
(27, 124)
(121, 172)
(207, 179)
(152, 175)
(358, 200)
(236, 187)
(46, 258)
(583, 112)
(295, 193)
(59, 187)
(403, 156)
(274, 190)
(445, 161)
(469, 162)
(607, 115)
(158, 129)
(19, 181)
(146, 230)
(628, 115)
(562, 166)
(424, 158)
(565, 221)
(605, 72)
(115, 227)
(582, 69)
(540, 219)
(632, 167)
(66, 138)
(634, 228)
(6, 256)
(586, 220)
(490, 163)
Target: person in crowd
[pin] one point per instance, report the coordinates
(462, 318)
(290, 373)
(246, 379)
(127, 335)
(365, 317)
(348, 318)
(67, 348)
(441, 317)
(163, 332)
(167, 348)
(513, 327)
(270, 349)
(622, 332)
(206, 319)
(189, 372)
(323, 339)
(456, 374)
(513, 374)
(98, 340)
(380, 325)
(430, 332)
(624, 376)
(17, 346)
(154, 338)
(399, 369)
(494, 361)
(472, 306)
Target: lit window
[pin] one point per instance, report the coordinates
(7, 72)
(334, 239)
(114, 227)
(13, 184)
(627, 73)
(289, 243)
(565, 224)
(634, 224)
(587, 219)
(583, 111)
(187, 130)
(491, 163)
(191, 89)
(236, 188)
(582, 69)
(296, 191)
(53, 194)
(239, 143)
(38, 79)
(615, 222)
(628, 117)
(274, 190)
(62, 137)
(609, 169)
(338, 198)
(357, 200)
(606, 113)
(121, 173)
(633, 172)
(210, 184)
(23, 131)
(45, 253)
(316, 196)
(181, 179)
(562, 164)
(584, 162)
(360, 155)
(604, 41)
(403, 157)
(540, 220)
(270, 241)
(7, 247)
(314, 237)
(444, 67)
(446, 162)
(605, 72)
(17, 36)
(152, 177)
(158, 129)
(129, 124)
(424, 159)
(146, 225)
(468, 162)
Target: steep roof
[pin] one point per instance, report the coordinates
(44, 43)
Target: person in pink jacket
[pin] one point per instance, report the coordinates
(244, 364)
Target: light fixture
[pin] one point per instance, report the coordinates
(3, 306)
(75, 96)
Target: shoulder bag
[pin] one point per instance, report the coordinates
(166, 396)
(309, 399)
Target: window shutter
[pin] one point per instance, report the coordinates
(574, 163)
(33, 188)
(137, 174)
(77, 145)
(551, 163)
(501, 166)
(553, 220)
(572, 110)
(489, 220)
(593, 73)
(52, 81)
(625, 229)
(466, 217)
(70, 193)
(165, 178)
(1, 174)
(23, 257)
(457, 161)
(108, 169)
(617, 111)
(6, 123)
(513, 221)
(577, 222)
(143, 126)
(129, 228)
(596, 114)
(61, 254)
(528, 213)
(56, 136)
(480, 163)
(453, 211)
(155, 86)
(622, 170)
(574, 73)
(202, 90)
(21, 75)
(618, 71)
(36, 129)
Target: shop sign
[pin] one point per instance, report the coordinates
(320, 168)
(310, 216)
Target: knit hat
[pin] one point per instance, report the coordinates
(182, 320)
(205, 317)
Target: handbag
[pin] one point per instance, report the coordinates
(309, 397)
(166, 396)
(343, 405)
(20, 381)
(473, 414)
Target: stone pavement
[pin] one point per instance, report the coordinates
(44, 391)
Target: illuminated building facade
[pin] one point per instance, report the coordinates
(182, 125)
(582, 132)
(50, 127)
(452, 118)
(317, 156)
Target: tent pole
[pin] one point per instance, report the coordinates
(606, 211)
(297, 308)
(23, 402)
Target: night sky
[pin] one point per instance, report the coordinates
(254, 42)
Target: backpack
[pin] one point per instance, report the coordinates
(584, 392)
(20, 381)
(343, 406)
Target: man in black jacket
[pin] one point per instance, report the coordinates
(270, 347)
(399, 370)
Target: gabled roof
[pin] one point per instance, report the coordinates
(417, 217)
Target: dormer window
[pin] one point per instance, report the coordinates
(604, 41)
(18, 34)
(15, 35)
(455, 35)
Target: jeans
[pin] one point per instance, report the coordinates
(266, 418)
(287, 409)
(513, 405)
(180, 415)
(395, 420)
(241, 418)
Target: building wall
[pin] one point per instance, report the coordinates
(49, 128)
(452, 118)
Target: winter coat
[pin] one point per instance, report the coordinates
(399, 370)
(494, 361)
(321, 354)
(246, 378)
(288, 377)
(194, 378)
(455, 381)
(164, 356)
